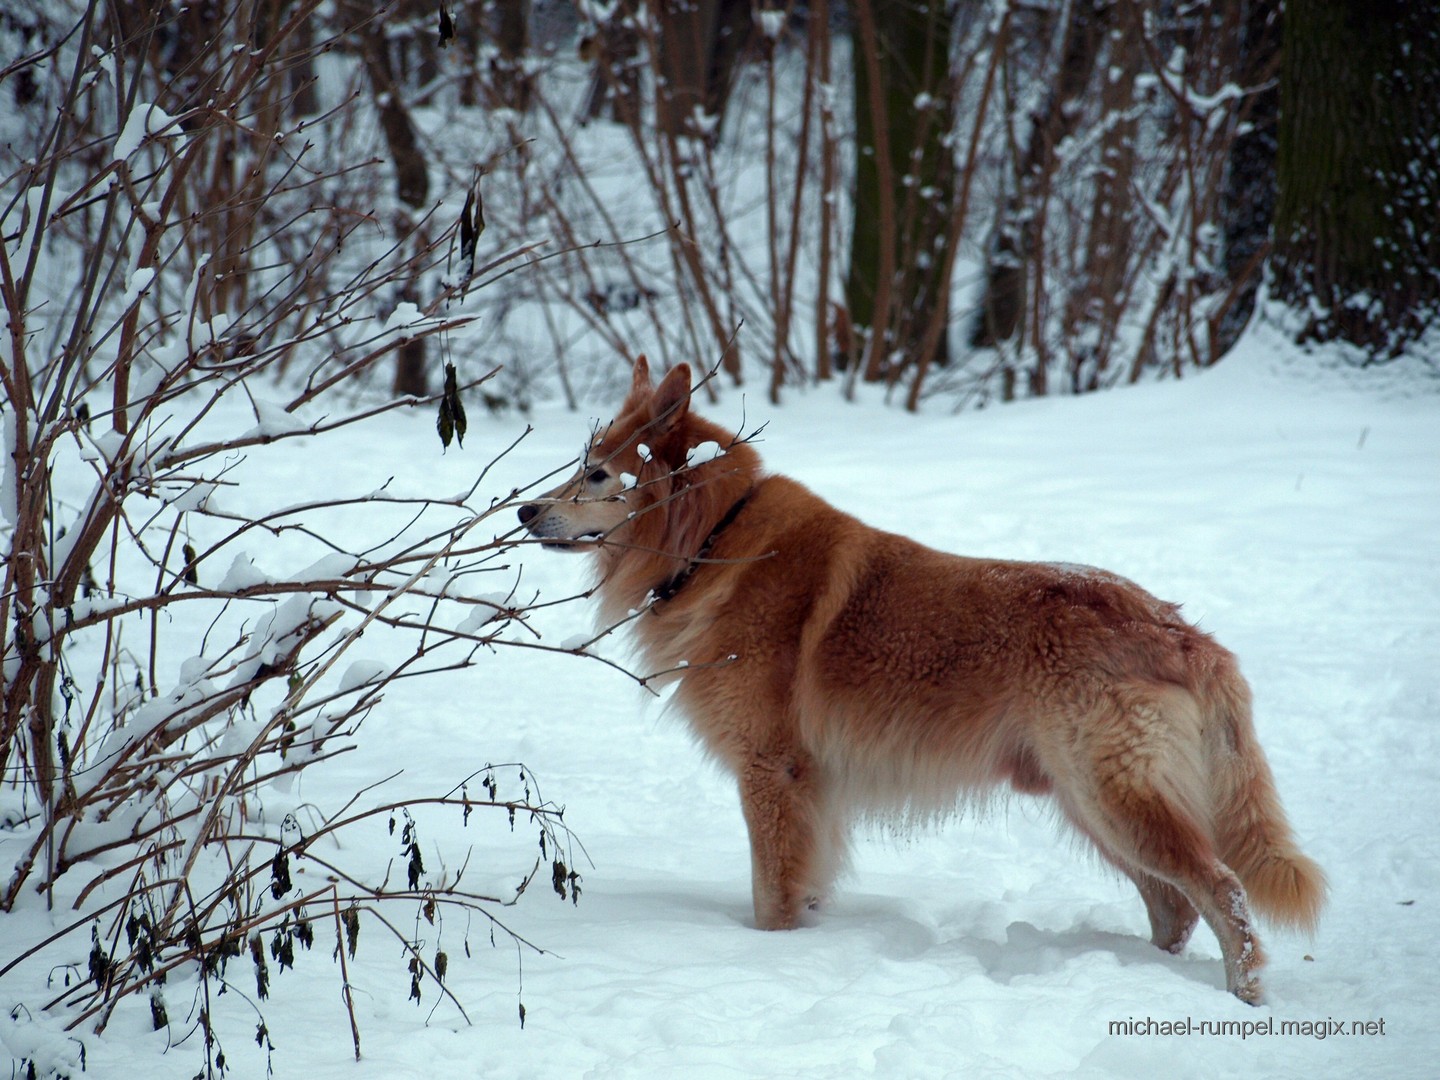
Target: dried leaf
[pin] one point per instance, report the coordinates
(262, 970)
(450, 422)
(472, 224)
(99, 960)
(467, 235)
(447, 27)
(445, 423)
(280, 882)
(351, 920)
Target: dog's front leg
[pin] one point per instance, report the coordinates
(782, 794)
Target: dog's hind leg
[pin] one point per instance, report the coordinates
(1172, 916)
(793, 843)
(1149, 833)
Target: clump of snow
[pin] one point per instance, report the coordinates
(771, 22)
(137, 286)
(146, 121)
(198, 496)
(9, 489)
(362, 673)
(331, 567)
(487, 608)
(243, 574)
(274, 422)
(703, 452)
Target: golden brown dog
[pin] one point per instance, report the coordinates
(841, 671)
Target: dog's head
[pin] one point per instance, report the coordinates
(630, 467)
(653, 487)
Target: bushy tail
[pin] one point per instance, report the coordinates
(1252, 835)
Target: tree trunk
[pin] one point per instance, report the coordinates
(614, 49)
(1096, 300)
(412, 184)
(1248, 202)
(1003, 306)
(1357, 248)
(904, 182)
(700, 46)
(510, 80)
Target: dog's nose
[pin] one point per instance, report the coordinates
(527, 513)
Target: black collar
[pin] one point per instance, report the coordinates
(668, 590)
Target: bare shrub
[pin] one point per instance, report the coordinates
(1083, 238)
(193, 288)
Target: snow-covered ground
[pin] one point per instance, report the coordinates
(1293, 508)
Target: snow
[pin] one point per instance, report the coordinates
(198, 496)
(146, 121)
(1289, 504)
(703, 453)
(243, 574)
(362, 673)
(137, 286)
(274, 422)
(771, 23)
(330, 567)
(9, 489)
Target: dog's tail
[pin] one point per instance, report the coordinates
(1251, 832)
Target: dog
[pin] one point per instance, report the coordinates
(840, 672)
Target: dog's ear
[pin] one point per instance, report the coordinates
(672, 399)
(640, 377)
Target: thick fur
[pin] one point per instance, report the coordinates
(839, 671)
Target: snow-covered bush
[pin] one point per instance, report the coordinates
(193, 293)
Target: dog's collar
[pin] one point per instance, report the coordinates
(668, 590)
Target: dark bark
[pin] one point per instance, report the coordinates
(700, 45)
(1248, 202)
(412, 182)
(614, 50)
(508, 77)
(1096, 299)
(904, 182)
(1357, 239)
